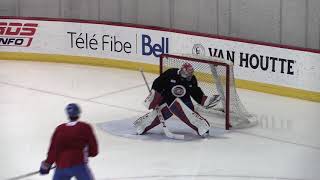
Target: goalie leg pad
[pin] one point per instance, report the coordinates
(151, 119)
(153, 99)
(144, 121)
(191, 118)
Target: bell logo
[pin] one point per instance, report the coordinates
(17, 34)
(149, 47)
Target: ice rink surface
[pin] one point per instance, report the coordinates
(285, 145)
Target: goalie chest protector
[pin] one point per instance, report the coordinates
(171, 86)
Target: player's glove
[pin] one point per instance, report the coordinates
(209, 102)
(153, 100)
(44, 168)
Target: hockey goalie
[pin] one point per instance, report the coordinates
(171, 95)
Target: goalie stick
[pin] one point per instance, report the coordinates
(27, 175)
(168, 133)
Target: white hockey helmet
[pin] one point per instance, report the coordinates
(186, 71)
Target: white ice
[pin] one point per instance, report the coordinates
(285, 144)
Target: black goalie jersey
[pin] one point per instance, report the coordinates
(171, 85)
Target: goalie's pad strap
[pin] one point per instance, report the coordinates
(150, 120)
(191, 118)
(153, 99)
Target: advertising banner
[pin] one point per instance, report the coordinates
(253, 62)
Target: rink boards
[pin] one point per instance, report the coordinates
(264, 67)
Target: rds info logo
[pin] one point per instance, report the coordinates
(150, 47)
(17, 34)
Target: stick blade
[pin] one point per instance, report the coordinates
(173, 136)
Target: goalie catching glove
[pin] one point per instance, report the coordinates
(209, 102)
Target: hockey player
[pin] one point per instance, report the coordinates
(171, 93)
(71, 145)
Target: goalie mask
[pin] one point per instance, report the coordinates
(186, 71)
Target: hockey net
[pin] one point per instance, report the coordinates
(215, 76)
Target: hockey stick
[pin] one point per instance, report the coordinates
(28, 174)
(168, 133)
